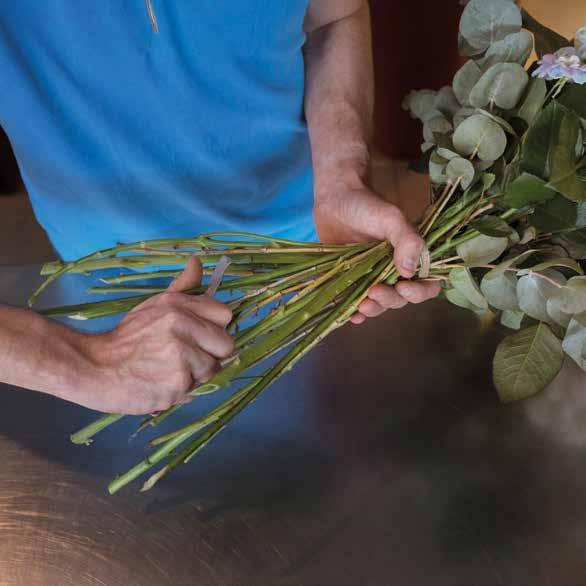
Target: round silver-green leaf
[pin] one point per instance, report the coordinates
(482, 250)
(501, 291)
(465, 79)
(480, 136)
(502, 85)
(461, 170)
(574, 344)
(534, 290)
(486, 21)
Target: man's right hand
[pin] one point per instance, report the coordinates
(160, 351)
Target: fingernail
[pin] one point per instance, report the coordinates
(410, 265)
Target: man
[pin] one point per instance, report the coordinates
(134, 121)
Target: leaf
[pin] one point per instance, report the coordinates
(446, 101)
(556, 215)
(463, 281)
(564, 175)
(557, 315)
(574, 344)
(484, 22)
(419, 103)
(502, 85)
(466, 49)
(574, 242)
(501, 291)
(574, 98)
(436, 125)
(539, 140)
(461, 115)
(514, 48)
(456, 298)
(534, 100)
(460, 169)
(492, 226)
(512, 319)
(465, 79)
(503, 267)
(571, 298)
(447, 154)
(546, 40)
(500, 121)
(526, 362)
(478, 135)
(482, 250)
(437, 173)
(533, 291)
(527, 190)
(566, 263)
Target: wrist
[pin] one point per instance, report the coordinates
(346, 170)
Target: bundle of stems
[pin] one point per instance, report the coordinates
(302, 292)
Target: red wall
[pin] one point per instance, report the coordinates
(415, 47)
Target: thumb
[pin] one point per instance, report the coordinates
(189, 278)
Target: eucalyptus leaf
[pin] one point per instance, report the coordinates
(558, 316)
(556, 215)
(500, 121)
(571, 298)
(527, 190)
(456, 298)
(463, 281)
(466, 49)
(514, 48)
(504, 266)
(479, 135)
(534, 100)
(574, 242)
(437, 173)
(482, 250)
(492, 226)
(526, 362)
(484, 22)
(465, 79)
(419, 103)
(574, 344)
(500, 291)
(534, 290)
(566, 263)
(503, 85)
(512, 319)
(461, 115)
(447, 154)
(437, 125)
(446, 101)
(461, 170)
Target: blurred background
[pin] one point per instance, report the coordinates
(415, 48)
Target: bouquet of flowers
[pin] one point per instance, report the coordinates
(505, 233)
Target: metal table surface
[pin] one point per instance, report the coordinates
(385, 458)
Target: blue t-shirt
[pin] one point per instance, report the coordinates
(124, 134)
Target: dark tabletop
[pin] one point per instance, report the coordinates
(385, 458)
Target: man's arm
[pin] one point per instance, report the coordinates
(339, 110)
(146, 364)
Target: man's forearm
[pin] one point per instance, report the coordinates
(41, 355)
(339, 98)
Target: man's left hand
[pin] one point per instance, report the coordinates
(357, 214)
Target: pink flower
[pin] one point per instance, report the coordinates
(564, 64)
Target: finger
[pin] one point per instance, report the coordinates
(204, 307)
(371, 308)
(189, 278)
(207, 336)
(418, 292)
(387, 297)
(203, 366)
(384, 220)
(358, 319)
